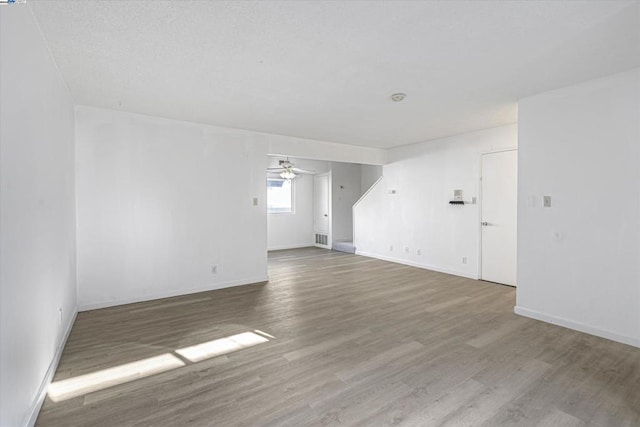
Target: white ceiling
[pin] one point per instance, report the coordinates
(326, 69)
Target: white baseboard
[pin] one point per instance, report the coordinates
(53, 367)
(93, 305)
(415, 264)
(283, 247)
(577, 326)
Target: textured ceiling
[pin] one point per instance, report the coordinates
(325, 69)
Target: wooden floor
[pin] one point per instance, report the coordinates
(358, 341)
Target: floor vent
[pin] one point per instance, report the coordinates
(321, 239)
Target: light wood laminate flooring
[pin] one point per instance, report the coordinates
(347, 340)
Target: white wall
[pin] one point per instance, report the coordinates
(346, 189)
(369, 174)
(160, 202)
(418, 217)
(295, 230)
(37, 216)
(579, 261)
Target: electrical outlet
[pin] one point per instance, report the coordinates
(390, 248)
(474, 200)
(406, 249)
(419, 252)
(255, 201)
(214, 269)
(464, 259)
(546, 201)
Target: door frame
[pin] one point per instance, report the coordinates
(481, 201)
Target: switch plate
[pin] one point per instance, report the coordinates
(255, 201)
(546, 201)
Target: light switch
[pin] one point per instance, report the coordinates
(546, 201)
(255, 201)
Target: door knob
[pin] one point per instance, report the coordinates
(484, 223)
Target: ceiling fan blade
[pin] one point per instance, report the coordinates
(287, 166)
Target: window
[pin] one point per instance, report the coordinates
(279, 196)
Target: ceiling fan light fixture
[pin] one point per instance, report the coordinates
(287, 174)
(286, 170)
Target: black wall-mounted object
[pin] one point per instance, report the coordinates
(456, 202)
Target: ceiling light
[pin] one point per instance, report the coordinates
(397, 97)
(287, 174)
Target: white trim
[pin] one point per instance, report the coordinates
(500, 150)
(415, 264)
(577, 326)
(172, 293)
(53, 367)
(283, 247)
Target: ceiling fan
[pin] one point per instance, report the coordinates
(287, 170)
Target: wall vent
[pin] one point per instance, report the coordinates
(322, 239)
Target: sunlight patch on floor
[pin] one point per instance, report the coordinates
(105, 378)
(88, 383)
(221, 346)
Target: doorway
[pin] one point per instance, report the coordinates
(499, 217)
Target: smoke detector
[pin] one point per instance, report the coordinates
(397, 97)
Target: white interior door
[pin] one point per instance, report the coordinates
(321, 210)
(499, 217)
